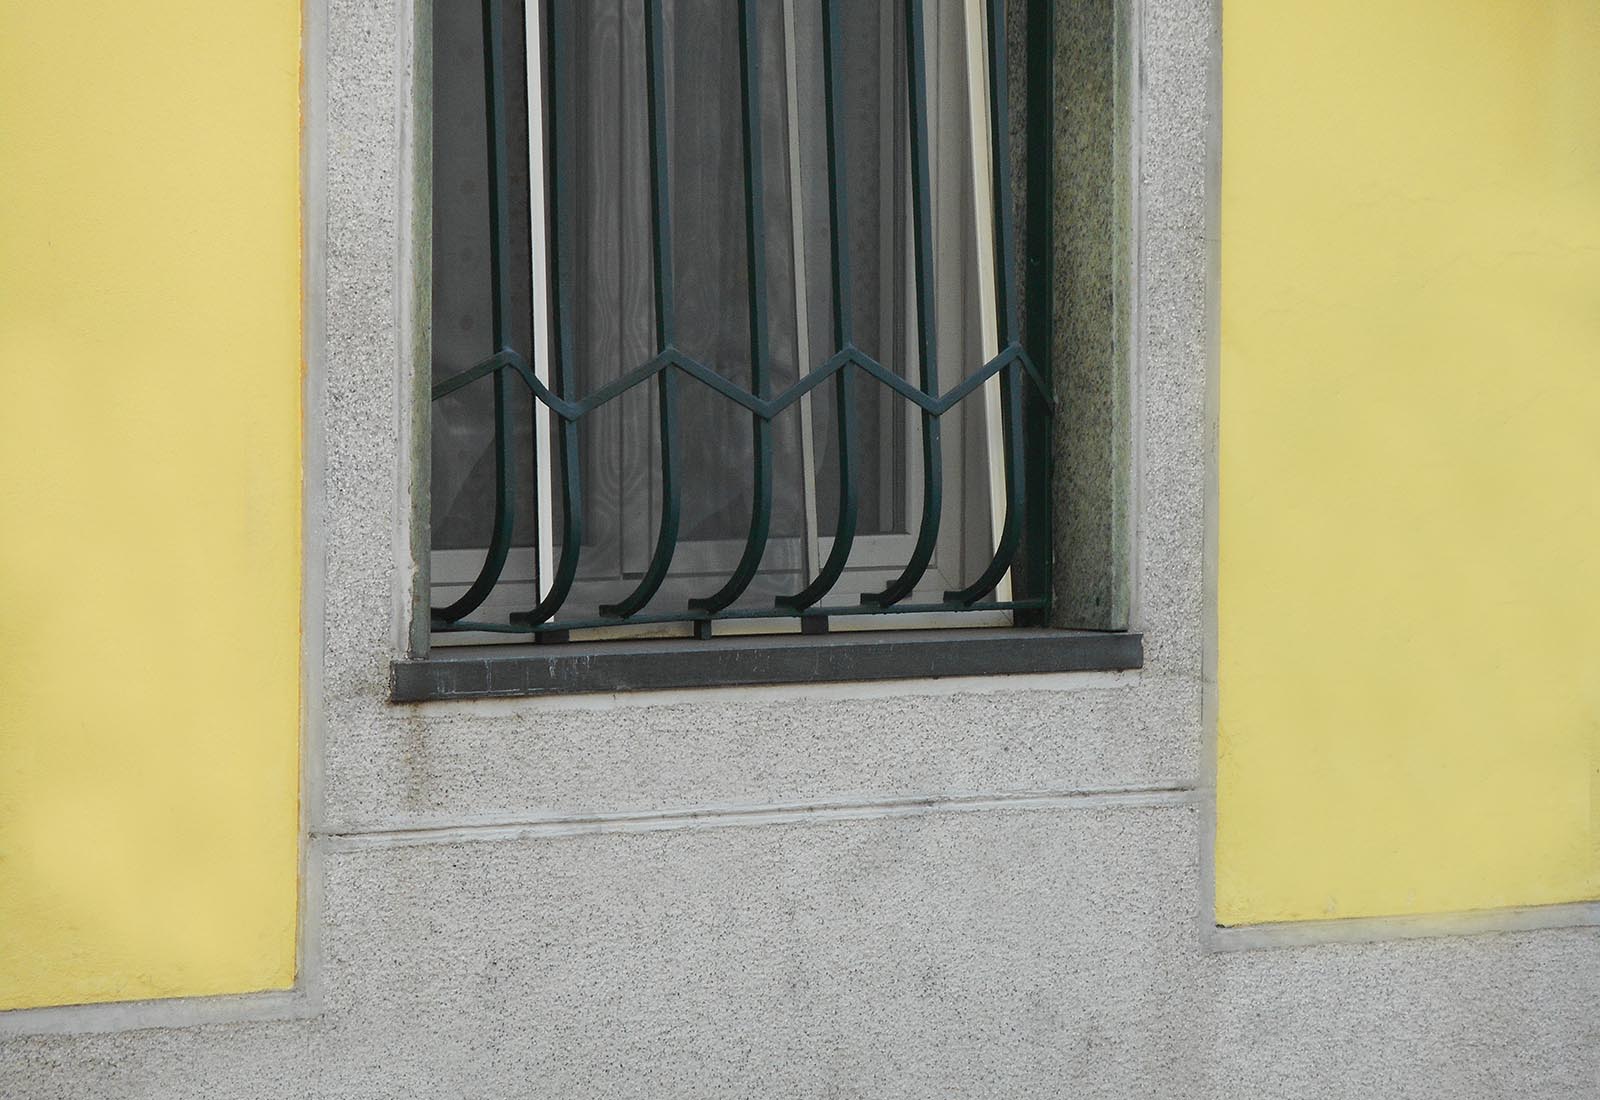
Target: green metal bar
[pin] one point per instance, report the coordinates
(756, 263)
(1031, 571)
(508, 358)
(1000, 166)
(1006, 308)
(766, 409)
(505, 515)
(845, 531)
(562, 250)
(666, 380)
(462, 379)
(927, 331)
(1016, 488)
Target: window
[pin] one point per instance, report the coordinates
(726, 330)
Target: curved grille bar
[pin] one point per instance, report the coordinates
(505, 516)
(561, 329)
(755, 542)
(666, 381)
(1011, 391)
(844, 532)
(927, 354)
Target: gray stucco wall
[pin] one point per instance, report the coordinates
(1007, 952)
(965, 889)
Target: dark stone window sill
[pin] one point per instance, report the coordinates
(484, 672)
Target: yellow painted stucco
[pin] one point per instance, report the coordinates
(150, 487)
(1408, 620)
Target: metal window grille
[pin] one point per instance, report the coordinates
(670, 367)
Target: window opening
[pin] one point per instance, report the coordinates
(725, 319)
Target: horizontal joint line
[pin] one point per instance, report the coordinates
(381, 835)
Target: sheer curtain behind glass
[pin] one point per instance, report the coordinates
(602, 78)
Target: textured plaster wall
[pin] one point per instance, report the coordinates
(892, 892)
(993, 953)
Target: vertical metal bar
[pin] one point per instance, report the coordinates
(1000, 161)
(756, 263)
(927, 332)
(1011, 379)
(666, 379)
(895, 319)
(562, 250)
(505, 515)
(660, 197)
(1032, 568)
(838, 228)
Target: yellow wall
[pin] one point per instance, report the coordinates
(1409, 520)
(150, 488)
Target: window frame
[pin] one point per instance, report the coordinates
(1065, 640)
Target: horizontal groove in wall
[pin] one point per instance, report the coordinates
(712, 817)
(1476, 922)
